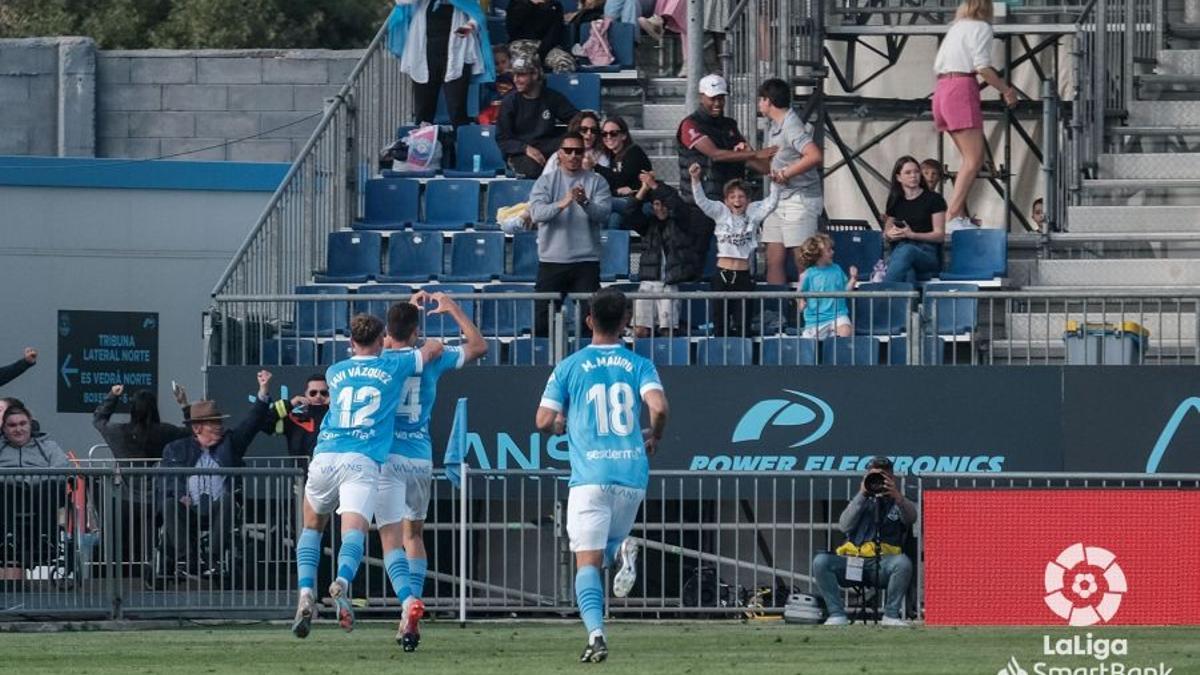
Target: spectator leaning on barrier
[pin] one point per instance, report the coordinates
(570, 207)
(669, 253)
(527, 131)
(915, 224)
(878, 502)
(708, 138)
(145, 434)
(796, 169)
(299, 420)
(442, 45)
(14, 370)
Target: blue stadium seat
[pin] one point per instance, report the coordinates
(450, 205)
(530, 352)
(789, 351)
(861, 248)
(379, 308)
(352, 258)
(524, 258)
(505, 318)
(476, 256)
(289, 352)
(322, 318)
(333, 351)
(502, 193)
(953, 316)
(471, 140)
(581, 89)
(614, 256)
(413, 257)
(694, 311)
(725, 351)
(441, 325)
(390, 204)
(931, 351)
(880, 317)
(977, 255)
(492, 357)
(665, 351)
(442, 115)
(860, 350)
(622, 39)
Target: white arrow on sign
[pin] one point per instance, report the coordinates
(67, 371)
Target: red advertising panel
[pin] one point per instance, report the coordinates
(1070, 557)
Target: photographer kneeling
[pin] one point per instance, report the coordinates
(877, 501)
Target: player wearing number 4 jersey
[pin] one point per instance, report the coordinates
(355, 437)
(600, 390)
(404, 483)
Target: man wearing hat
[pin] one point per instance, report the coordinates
(708, 138)
(527, 131)
(203, 498)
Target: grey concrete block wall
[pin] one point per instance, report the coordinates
(158, 102)
(48, 96)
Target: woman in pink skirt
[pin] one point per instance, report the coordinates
(965, 52)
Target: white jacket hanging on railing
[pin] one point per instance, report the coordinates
(463, 50)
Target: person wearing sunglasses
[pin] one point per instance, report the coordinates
(586, 123)
(299, 420)
(569, 207)
(626, 163)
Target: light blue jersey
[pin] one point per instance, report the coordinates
(411, 438)
(600, 390)
(363, 394)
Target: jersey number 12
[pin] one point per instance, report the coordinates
(367, 396)
(613, 407)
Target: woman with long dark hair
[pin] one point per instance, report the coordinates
(586, 123)
(145, 434)
(915, 224)
(626, 160)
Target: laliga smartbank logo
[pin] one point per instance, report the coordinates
(1084, 585)
(1054, 650)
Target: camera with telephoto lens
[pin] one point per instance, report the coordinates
(875, 482)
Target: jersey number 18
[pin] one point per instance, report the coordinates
(613, 407)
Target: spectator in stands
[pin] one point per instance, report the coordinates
(145, 434)
(670, 254)
(586, 123)
(490, 113)
(796, 169)
(708, 138)
(442, 45)
(198, 502)
(535, 34)
(932, 174)
(22, 447)
(1037, 215)
(502, 59)
(624, 163)
(737, 222)
(31, 503)
(915, 224)
(570, 206)
(14, 370)
(879, 507)
(589, 10)
(824, 317)
(299, 420)
(526, 131)
(965, 51)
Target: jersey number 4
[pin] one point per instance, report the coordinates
(410, 400)
(366, 397)
(614, 408)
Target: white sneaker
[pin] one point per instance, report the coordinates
(652, 26)
(894, 621)
(624, 578)
(959, 223)
(837, 620)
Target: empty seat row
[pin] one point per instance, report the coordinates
(859, 350)
(312, 352)
(450, 205)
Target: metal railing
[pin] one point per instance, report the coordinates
(322, 190)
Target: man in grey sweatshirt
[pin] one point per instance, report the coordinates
(569, 206)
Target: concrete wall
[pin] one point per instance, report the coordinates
(47, 96)
(159, 102)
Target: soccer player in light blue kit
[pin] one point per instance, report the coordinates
(403, 498)
(600, 390)
(354, 441)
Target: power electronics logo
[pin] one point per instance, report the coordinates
(1168, 433)
(805, 410)
(1084, 585)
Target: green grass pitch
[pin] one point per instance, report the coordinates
(532, 648)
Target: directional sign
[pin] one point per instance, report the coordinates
(97, 350)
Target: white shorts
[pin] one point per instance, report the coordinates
(597, 514)
(347, 480)
(646, 312)
(793, 220)
(826, 329)
(403, 490)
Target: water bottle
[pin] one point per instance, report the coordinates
(879, 271)
(476, 163)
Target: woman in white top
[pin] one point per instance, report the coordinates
(965, 51)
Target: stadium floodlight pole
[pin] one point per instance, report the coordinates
(695, 52)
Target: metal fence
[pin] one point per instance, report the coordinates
(951, 324)
(714, 544)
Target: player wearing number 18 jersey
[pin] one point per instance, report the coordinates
(354, 441)
(600, 390)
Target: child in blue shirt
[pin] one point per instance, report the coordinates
(824, 317)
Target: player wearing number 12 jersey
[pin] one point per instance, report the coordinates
(404, 482)
(600, 390)
(354, 441)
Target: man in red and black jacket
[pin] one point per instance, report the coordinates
(299, 420)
